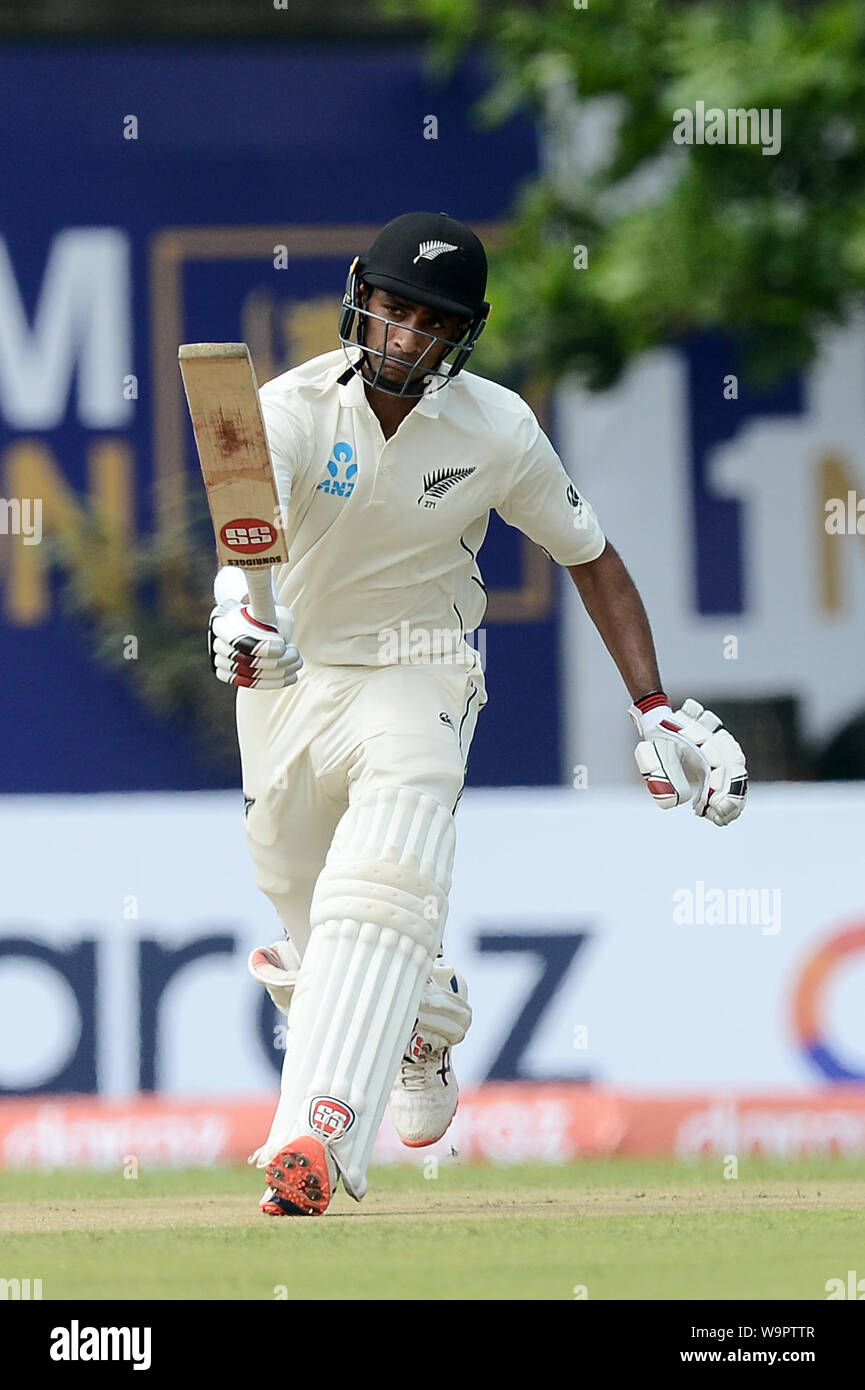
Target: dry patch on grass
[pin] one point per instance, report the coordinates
(176, 1212)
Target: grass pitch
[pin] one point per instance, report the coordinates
(622, 1229)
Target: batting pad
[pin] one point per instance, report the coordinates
(377, 915)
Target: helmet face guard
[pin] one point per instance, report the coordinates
(421, 379)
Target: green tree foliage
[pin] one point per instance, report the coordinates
(680, 238)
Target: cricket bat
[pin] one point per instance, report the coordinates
(222, 394)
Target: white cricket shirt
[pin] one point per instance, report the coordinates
(383, 535)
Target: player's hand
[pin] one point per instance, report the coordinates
(244, 651)
(689, 755)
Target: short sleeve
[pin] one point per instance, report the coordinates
(288, 423)
(544, 504)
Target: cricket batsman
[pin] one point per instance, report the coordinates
(356, 713)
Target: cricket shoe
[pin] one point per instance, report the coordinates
(425, 1095)
(301, 1179)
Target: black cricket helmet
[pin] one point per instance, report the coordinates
(430, 259)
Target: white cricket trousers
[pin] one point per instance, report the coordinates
(339, 733)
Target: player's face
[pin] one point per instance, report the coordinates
(409, 335)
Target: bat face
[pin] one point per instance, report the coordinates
(222, 394)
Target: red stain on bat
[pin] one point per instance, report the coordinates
(231, 439)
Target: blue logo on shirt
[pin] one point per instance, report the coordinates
(340, 487)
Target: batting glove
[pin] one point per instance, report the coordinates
(244, 651)
(276, 967)
(689, 754)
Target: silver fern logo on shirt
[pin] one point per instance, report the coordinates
(436, 484)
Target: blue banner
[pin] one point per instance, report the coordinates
(162, 194)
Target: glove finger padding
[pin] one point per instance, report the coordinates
(234, 623)
(276, 967)
(722, 795)
(728, 780)
(245, 652)
(288, 660)
(691, 751)
(660, 762)
(444, 1012)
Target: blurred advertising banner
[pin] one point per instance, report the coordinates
(144, 216)
(604, 942)
(499, 1122)
(742, 520)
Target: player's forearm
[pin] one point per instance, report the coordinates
(612, 602)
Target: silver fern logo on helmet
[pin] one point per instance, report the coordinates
(428, 250)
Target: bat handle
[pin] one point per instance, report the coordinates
(261, 595)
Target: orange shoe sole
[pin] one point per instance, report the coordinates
(299, 1180)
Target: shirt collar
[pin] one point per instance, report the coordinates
(353, 395)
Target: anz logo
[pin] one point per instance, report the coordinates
(340, 486)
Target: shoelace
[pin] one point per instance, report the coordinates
(413, 1070)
